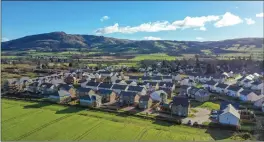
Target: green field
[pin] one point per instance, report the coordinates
(157, 56)
(32, 121)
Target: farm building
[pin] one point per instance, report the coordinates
(201, 95)
(128, 98)
(118, 88)
(107, 95)
(140, 90)
(145, 102)
(229, 116)
(180, 106)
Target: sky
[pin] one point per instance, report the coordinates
(153, 20)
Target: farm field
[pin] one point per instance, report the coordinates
(156, 56)
(44, 121)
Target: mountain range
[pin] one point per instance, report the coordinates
(60, 41)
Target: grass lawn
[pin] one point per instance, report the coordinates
(207, 105)
(32, 121)
(156, 56)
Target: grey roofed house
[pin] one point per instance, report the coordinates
(221, 85)
(118, 80)
(256, 82)
(167, 77)
(150, 83)
(65, 87)
(246, 92)
(257, 92)
(145, 98)
(105, 85)
(134, 77)
(193, 90)
(128, 93)
(120, 87)
(135, 88)
(94, 84)
(211, 82)
(146, 78)
(234, 88)
(156, 78)
(180, 100)
(82, 89)
(128, 81)
(168, 84)
(247, 80)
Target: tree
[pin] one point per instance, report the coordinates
(70, 64)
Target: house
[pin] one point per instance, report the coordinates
(229, 116)
(108, 96)
(23, 83)
(234, 91)
(257, 85)
(140, 90)
(148, 78)
(33, 87)
(258, 103)
(159, 96)
(118, 88)
(145, 102)
(205, 78)
(167, 78)
(81, 91)
(183, 90)
(106, 73)
(221, 88)
(58, 97)
(168, 91)
(176, 77)
(151, 86)
(83, 82)
(169, 85)
(202, 95)
(224, 104)
(67, 89)
(132, 83)
(191, 91)
(248, 95)
(210, 85)
(92, 85)
(180, 106)
(114, 78)
(128, 98)
(47, 88)
(90, 100)
(154, 79)
(188, 82)
(11, 85)
(134, 78)
(107, 86)
(247, 83)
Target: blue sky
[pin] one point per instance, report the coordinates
(135, 20)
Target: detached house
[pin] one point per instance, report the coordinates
(201, 95)
(108, 96)
(257, 85)
(128, 98)
(234, 91)
(93, 85)
(33, 87)
(81, 91)
(167, 78)
(138, 89)
(229, 116)
(154, 79)
(247, 83)
(11, 85)
(107, 86)
(67, 89)
(210, 85)
(145, 102)
(151, 86)
(180, 106)
(183, 90)
(248, 95)
(118, 88)
(258, 103)
(106, 73)
(134, 78)
(58, 97)
(90, 100)
(191, 91)
(132, 83)
(47, 88)
(221, 88)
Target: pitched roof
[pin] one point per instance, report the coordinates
(144, 98)
(134, 77)
(85, 97)
(82, 89)
(64, 87)
(56, 93)
(246, 92)
(94, 84)
(180, 100)
(211, 82)
(128, 93)
(168, 84)
(104, 92)
(150, 83)
(105, 85)
(167, 77)
(232, 110)
(233, 88)
(221, 85)
(224, 104)
(82, 81)
(146, 78)
(48, 85)
(184, 87)
(256, 82)
(156, 78)
(135, 88)
(120, 87)
(202, 92)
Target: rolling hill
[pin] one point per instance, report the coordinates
(60, 41)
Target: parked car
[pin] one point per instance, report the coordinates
(214, 112)
(214, 116)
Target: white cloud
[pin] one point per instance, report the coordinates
(4, 39)
(260, 15)
(199, 38)
(188, 22)
(249, 21)
(152, 38)
(228, 19)
(236, 7)
(104, 18)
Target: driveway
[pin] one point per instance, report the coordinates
(202, 115)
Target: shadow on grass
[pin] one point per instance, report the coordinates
(219, 132)
(70, 110)
(38, 105)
